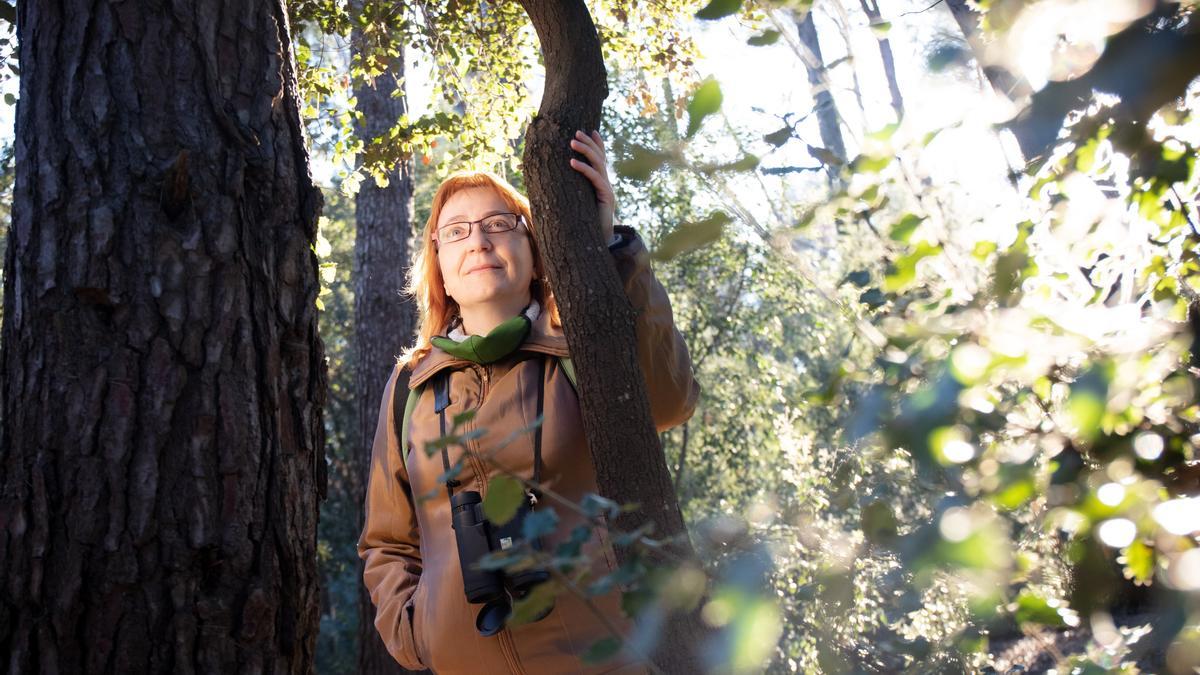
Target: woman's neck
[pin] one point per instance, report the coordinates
(482, 318)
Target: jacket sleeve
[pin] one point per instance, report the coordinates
(390, 544)
(662, 352)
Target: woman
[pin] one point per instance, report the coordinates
(477, 274)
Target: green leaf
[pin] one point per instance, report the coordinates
(1014, 494)
(903, 272)
(503, 498)
(879, 523)
(859, 278)
(869, 164)
(779, 136)
(691, 236)
(1139, 563)
(641, 163)
(904, 228)
(717, 9)
(706, 101)
(873, 297)
(602, 650)
(539, 523)
(1035, 609)
(881, 29)
(767, 37)
(535, 605)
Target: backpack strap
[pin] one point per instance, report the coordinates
(401, 420)
(568, 368)
(402, 416)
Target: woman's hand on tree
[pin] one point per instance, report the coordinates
(595, 170)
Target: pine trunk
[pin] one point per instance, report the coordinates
(161, 375)
(597, 317)
(818, 80)
(383, 318)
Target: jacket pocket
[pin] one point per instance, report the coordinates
(416, 621)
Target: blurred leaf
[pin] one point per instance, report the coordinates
(1033, 608)
(767, 37)
(602, 650)
(594, 505)
(881, 28)
(873, 298)
(947, 55)
(1139, 563)
(503, 498)
(641, 163)
(826, 157)
(868, 164)
(1087, 401)
(1014, 494)
(691, 236)
(717, 9)
(538, 523)
(779, 136)
(534, 605)
(859, 278)
(904, 228)
(903, 272)
(706, 101)
(879, 523)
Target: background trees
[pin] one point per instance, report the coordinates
(949, 395)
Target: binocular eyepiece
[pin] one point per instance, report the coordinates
(476, 538)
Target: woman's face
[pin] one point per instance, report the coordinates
(484, 268)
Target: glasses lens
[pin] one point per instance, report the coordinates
(501, 222)
(452, 232)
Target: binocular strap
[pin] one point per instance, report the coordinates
(441, 401)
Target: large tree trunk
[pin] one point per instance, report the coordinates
(161, 375)
(383, 318)
(818, 81)
(597, 317)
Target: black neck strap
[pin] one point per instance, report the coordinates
(441, 401)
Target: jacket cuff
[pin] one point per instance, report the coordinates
(622, 236)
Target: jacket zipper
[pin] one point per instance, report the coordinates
(473, 446)
(509, 649)
(507, 646)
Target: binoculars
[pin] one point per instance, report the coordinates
(477, 537)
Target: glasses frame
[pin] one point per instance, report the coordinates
(437, 241)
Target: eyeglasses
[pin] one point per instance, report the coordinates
(493, 224)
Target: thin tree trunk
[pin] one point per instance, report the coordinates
(383, 318)
(161, 375)
(1012, 86)
(597, 317)
(828, 120)
(871, 7)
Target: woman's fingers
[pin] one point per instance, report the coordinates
(588, 171)
(590, 148)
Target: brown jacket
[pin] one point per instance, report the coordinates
(407, 543)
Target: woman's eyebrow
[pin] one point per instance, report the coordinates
(462, 218)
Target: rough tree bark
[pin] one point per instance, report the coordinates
(161, 375)
(597, 317)
(383, 319)
(827, 114)
(871, 8)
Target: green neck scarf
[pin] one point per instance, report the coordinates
(483, 349)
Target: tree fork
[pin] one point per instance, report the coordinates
(597, 317)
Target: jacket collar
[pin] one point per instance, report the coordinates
(543, 338)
